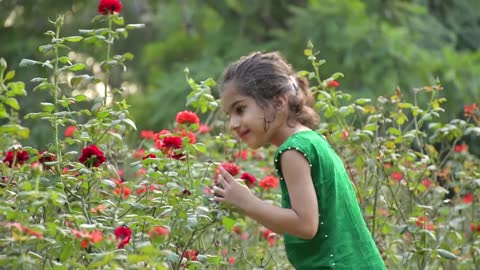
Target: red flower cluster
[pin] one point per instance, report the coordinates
(460, 148)
(422, 222)
(109, 6)
(92, 156)
(46, 157)
(159, 232)
(231, 168)
(187, 117)
(242, 154)
(20, 157)
(470, 110)
(25, 230)
(122, 189)
(333, 84)
(171, 146)
(123, 234)
(475, 228)
(87, 237)
(269, 182)
(190, 254)
(269, 236)
(250, 180)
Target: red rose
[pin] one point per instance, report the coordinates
(174, 142)
(269, 236)
(333, 84)
(469, 110)
(69, 131)
(468, 198)
(187, 117)
(92, 156)
(159, 232)
(461, 148)
(397, 176)
(250, 180)
(171, 146)
(109, 6)
(18, 156)
(147, 134)
(190, 135)
(203, 129)
(231, 168)
(269, 182)
(123, 234)
(426, 183)
(149, 156)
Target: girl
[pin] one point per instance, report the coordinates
(320, 218)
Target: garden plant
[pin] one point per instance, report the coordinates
(104, 195)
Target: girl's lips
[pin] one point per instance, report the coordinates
(243, 134)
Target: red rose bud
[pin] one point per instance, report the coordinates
(109, 6)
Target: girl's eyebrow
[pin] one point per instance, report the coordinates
(233, 104)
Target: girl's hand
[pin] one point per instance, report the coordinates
(232, 192)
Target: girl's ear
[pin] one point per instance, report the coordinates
(280, 103)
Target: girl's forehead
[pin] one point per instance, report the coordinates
(230, 96)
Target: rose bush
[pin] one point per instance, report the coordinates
(91, 199)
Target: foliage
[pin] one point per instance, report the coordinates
(96, 196)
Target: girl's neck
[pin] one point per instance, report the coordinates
(286, 131)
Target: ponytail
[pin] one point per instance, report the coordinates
(301, 105)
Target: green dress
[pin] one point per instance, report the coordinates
(343, 240)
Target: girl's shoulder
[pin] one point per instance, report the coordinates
(307, 142)
(301, 139)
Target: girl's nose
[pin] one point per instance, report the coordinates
(234, 123)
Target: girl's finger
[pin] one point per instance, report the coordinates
(218, 191)
(223, 181)
(218, 199)
(226, 175)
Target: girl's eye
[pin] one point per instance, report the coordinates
(240, 109)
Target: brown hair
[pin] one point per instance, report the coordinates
(265, 76)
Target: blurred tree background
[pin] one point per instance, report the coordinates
(377, 44)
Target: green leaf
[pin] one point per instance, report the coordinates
(135, 26)
(64, 59)
(77, 67)
(73, 38)
(118, 20)
(130, 123)
(27, 62)
(16, 89)
(67, 251)
(12, 103)
(47, 107)
(80, 98)
(362, 101)
(228, 223)
(337, 75)
(394, 131)
(45, 48)
(307, 52)
(447, 254)
(10, 75)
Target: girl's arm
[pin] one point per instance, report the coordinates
(300, 220)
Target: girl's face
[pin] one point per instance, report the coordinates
(247, 118)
